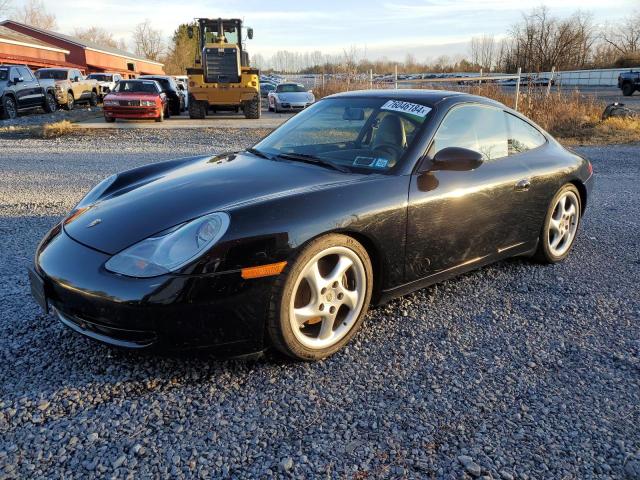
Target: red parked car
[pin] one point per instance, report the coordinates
(136, 99)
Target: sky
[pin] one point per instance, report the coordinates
(393, 28)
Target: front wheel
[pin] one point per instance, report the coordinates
(320, 300)
(71, 101)
(9, 108)
(627, 89)
(93, 101)
(560, 226)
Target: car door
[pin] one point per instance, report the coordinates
(77, 85)
(459, 218)
(33, 93)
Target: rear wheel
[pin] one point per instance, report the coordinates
(560, 226)
(252, 108)
(71, 101)
(50, 103)
(9, 108)
(627, 89)
(320, 300)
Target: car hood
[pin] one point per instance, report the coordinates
(151, 199)
(301, 97)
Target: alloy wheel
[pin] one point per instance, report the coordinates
(328, 297)
(10, 107)
(563, 223)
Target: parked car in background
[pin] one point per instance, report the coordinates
(266, 88)
(290, 97)
(70, 85)
(136, 99)
(20, 90)
(174, 92)
(106, 82)
(183, 81)
(629, 82)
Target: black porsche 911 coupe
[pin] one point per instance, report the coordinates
(362, 197)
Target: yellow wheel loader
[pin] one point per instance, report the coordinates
(221, 78)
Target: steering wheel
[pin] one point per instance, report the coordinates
(385, 150)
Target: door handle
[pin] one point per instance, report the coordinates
(523, 185)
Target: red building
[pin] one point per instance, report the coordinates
(87, 56)
(22, 49)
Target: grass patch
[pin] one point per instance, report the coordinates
(57, 129)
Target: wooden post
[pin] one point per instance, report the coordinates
(553, 71)
(515, 107)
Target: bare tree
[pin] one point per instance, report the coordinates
(33, 13)
(624, 37)
(96, 35)
(483, 51)
(148, 41)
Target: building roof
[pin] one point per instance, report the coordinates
(84, 43)
(16, 38)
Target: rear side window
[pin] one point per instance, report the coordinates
(522, 136)
(475, 127)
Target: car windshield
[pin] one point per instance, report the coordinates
(4, 73)
(51, 74)
(290, 87)
(136, 86)
(101, 77)
(361, 134)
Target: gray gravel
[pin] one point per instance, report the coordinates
(514, 371)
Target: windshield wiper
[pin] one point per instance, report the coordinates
(304, 157)
(259, 153)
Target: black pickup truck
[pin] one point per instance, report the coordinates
(20, 90)
(629, 82)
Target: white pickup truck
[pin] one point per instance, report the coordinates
(106, 82)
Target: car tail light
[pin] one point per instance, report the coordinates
(589, 167)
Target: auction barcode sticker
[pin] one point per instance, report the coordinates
(406, 107)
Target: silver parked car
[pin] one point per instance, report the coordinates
(290, 97)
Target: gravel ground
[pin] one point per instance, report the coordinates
(514, 371)
(39, 117)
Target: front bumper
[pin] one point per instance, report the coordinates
(292, 107)
(175, 312)
(131, 112)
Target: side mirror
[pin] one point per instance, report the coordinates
(353, 114)
(250, 33)
(18, 80)
(190, 32)
(76, 79)
(456, 159)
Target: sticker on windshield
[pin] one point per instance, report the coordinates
(406, 107)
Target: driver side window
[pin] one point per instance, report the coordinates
(476, 127)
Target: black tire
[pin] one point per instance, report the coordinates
(93, 100)
(278, 321)
(627, 89)
(9, 108)
(71, 102)
(544, 253)
(109, 119)
(167, 112)
(196, 109)
(252, 108)
(50, 103)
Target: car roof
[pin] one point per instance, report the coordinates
(428, 97)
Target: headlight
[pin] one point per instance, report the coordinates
(311, 98)
(110, 103)
(147, 103)
(169, 251)
(58, 88)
